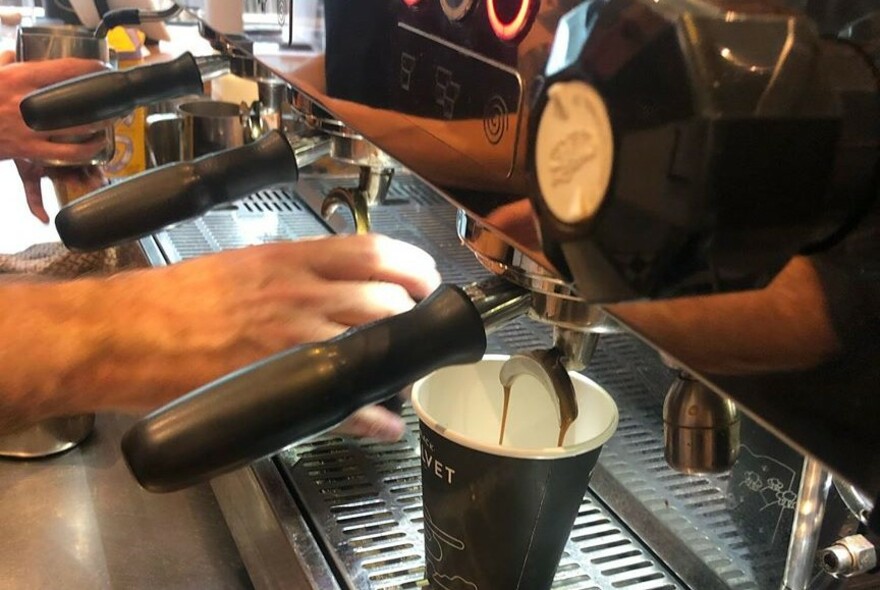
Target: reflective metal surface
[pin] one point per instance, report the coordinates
(354, 201)
(58, 41)
(816, 318)
(701, 429)
(497, 301)
(473, 160)
(270, 530)
(576, 348)
(859, 504)
(850, 556)
(208, 126)
(711, 531)
(79, 521)
(48, 437)
(39, 43)
(812, 497)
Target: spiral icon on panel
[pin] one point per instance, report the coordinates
(495, 119)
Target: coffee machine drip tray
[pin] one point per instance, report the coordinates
(340, 513)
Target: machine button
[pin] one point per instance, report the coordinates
(574, 151)
(509, 19)
(456, 9)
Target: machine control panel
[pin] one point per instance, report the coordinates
(492, 28)
(460, 74)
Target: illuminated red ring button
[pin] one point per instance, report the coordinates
(508, 31)
(411, 2)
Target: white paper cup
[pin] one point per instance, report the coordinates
(498, 516)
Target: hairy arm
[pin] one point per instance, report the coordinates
(785, 326)
(140, 339)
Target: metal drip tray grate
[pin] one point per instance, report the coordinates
(703, 513)
(367, 499)
(264, 217)
(364, 500)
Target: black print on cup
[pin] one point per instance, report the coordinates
(432, 465)
(437, 544)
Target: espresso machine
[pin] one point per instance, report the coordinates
(675, 196)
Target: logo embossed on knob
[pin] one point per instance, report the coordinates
(574, 151)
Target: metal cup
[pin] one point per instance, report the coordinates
(163, 130)
(208, 126)
(47, 438)
(184, 130)
(59, 41)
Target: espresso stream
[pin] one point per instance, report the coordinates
(547, 367)
(565, 420)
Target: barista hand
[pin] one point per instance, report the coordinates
(73, 182)
(142, 338)
(17, 80)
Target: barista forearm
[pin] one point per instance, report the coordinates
(142, 338)
(62, 350)
(784, 326)
(47, 336)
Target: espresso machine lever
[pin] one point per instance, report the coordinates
(306, 390)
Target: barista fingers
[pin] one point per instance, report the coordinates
(18, 141)
(140, 339)
(442, 471)
(17, 80)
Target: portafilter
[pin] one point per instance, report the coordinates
(306, 390)
(151, 201)
(109, 95)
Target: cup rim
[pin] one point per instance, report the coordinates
(494, 449)
(76, 31)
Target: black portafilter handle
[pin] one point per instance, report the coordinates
(108, 95)
(153, 200)
(306, 390)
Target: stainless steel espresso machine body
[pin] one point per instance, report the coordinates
(696, 178)
(717, 141)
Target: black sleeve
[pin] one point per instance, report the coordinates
(850, 276)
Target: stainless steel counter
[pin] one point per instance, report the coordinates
(79, 520)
